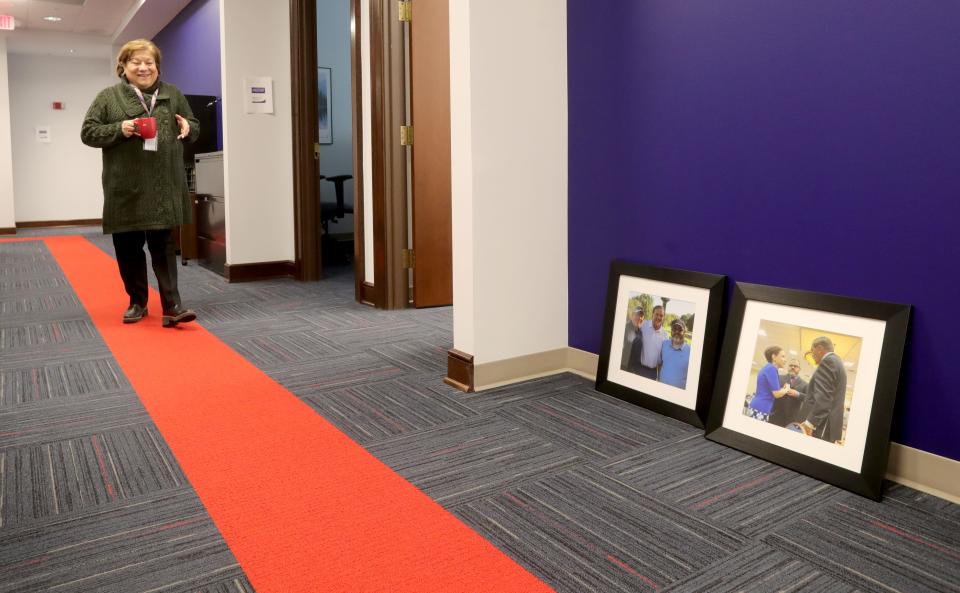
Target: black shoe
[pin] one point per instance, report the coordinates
(177, 315)
(134, 314)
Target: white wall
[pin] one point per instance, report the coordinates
(509, 155)
(333, 51)
(7, 218)
(367, 131)
(258, 148)
(59, 180)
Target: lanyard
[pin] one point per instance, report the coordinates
(153, 100)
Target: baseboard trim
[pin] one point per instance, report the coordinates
(259, 271)
(927, 472)
(521, 368)
(8, 231)
(583, 363)
(923, 471)
(367, 295)
(460, 370)
(34, 224)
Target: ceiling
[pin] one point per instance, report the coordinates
(88, 29)
(85, 17)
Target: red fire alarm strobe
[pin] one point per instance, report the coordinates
(6, 22)
(58, 105)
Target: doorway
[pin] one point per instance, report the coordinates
(401, 251)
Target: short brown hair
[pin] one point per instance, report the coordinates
(131, 47)
(772, 351)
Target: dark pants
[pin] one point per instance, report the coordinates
(132, 262)
(648, 372)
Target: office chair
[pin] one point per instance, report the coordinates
(334, 211)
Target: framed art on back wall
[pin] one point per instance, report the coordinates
(808, 381)
(660, 336)
(325, 105)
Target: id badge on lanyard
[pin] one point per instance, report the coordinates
(148, 143)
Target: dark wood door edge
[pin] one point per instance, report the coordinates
(377, 126)
(367, 294)
(35, 224)
(303, 70)
(459, 370)
(388, 101)
(260, 271)
(356, 106)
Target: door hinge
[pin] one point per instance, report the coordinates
(406, 135)
(405, 8)
(409, 259)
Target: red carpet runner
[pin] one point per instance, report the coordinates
(301, 506)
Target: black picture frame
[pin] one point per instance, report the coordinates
(880, 327)
(705, 293)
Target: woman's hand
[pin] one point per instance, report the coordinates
(184, 126)
(128, 129)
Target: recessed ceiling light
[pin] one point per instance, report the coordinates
(52, 19)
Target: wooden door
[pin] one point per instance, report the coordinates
(430, 107)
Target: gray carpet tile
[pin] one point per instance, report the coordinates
(472, 458)
(269, 349)
(26, 266)
(587, 531)
(899, 495)
(877, 547)
(417, 355)
(32, 423)
(344, 317)
(595, 425)
(371, 413)
(82, 230)
(588, 493)
(761, 569)
(163, 542)
(439, 317)
(61, 476)
(315, 376)
(749, 494)
(364, 338)
(52, 353)
(233, 312)
(60, 379)
(36, 336)
(500, 398)
(49, 303)
(233, 333)
(23, 283)
(91, 498)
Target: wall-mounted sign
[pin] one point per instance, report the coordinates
(258, 94)
(7, 23)
(43, 134)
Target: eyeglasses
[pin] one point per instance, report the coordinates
(138, 63)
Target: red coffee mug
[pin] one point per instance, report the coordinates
(146, 127)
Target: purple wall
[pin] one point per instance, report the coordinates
(191, 52)
(811, 145)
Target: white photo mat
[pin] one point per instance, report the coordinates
(849, 455)
(700, 297)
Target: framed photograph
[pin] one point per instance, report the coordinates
(660, 337)
(808, 381)
(325, 105)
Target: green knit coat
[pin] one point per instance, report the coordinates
(142, 190)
